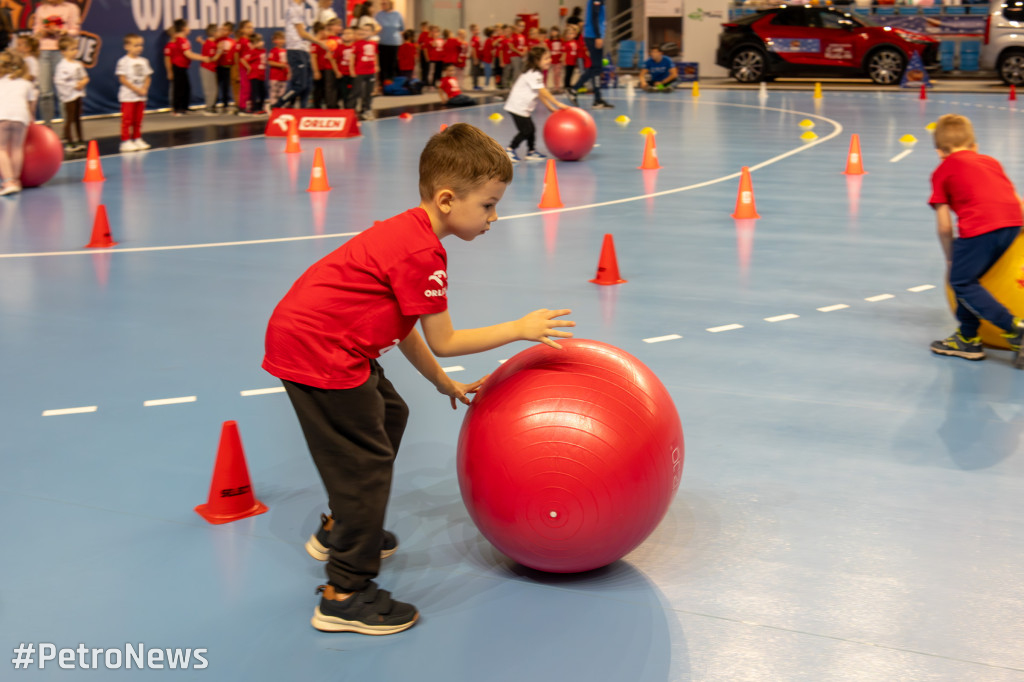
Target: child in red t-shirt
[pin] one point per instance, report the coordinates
(435, 54)
(407, 54)
(277, 60)
(208, 70)
(178, 55)
(989, 216)
(571, 44)
(246, 31)
(324, 69)
(366, 70)
(489, 55)
(345, 59)
(325, 336)
(476, 68)
(254, 65)
(449, 90)
(227, 48)
(423, 41)
(555, 47)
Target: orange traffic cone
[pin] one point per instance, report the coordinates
(101, 238)
(293, 146)
(444, 126)
(746, 209)
(93, 170)
(854, 164)
(318, 178)
(924, 92)
(231, 495)
(1013, 93)
(550, 197)
(650, 154)
(608, 265)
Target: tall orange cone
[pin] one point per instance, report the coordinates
(746, 209)
(101, 238)
(318, 178)
(608, 265)
(293, 146)
(550, 197)
(1013, 93)
(93, 170)
(231, 495)
(650, 154)
(854, 163)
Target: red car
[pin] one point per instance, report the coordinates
(818, 41)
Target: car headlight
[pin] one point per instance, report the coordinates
(913, 38)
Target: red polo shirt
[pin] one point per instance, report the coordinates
(978, 191)
(357, 302)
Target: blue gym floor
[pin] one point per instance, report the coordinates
(851, 506)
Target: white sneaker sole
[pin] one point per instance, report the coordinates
(321, 553)
(334, 624)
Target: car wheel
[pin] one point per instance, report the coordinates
(885, 66)
(748, 65)
(1011, 67)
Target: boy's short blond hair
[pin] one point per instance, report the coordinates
(953, 131)
(66, 42)
(11, 64)
(462, 158)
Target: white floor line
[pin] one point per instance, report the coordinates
(261, 391)
(804, 146)
(69, 410)
(902, 155)
(830, 308)
(880, 297)
(923, 287)
(659, 339)
(724, 328)
(781, 318)
(453, 368)
(169, 401)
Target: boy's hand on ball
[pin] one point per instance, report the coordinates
(459, 391)
(540, 325)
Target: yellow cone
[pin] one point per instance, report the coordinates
(496, 117)
(817, 91)
(807, 124)
(930, 127)
(908, 140)
(696, 89)
(647, 130)
(809, 136)
(622, 120)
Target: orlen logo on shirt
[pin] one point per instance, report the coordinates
(440, 277)
(322, 123)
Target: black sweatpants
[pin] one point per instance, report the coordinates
(353, 435)
(180, 88)
(527, 132)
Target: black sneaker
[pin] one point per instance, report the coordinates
(957, 345)
(317, 547)
(601, 104)
(371, 611)
(1016, 341)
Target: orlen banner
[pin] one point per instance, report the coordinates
(105, 23)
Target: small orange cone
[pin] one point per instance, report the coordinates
(1013, 93)
(854, 163)
(293, 146)
(924, 92)
(650, 154)
(101, 238)
(550, 197)
(608, 265)
(93, 170)
(231, 495)
(405, 116)
(746, 209)
(444, 127)
(318, 178)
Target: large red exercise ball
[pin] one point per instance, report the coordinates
(570, 134)
(44, 154)
(568, 459)
(1005, 281)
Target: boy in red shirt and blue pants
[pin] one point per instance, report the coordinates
(325, 336)
(989, 216)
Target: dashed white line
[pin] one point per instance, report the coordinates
(169, 401)
(902, 155)
(453, 368)
(880, 297)
(261, 391)
(69, 410)
(781, 318)
(659, 339)
(830, 308)
(724, 328)
(923, 287)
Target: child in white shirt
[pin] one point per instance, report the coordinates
(134, 73)
(70, 80)
(15, 117)
(522, 100)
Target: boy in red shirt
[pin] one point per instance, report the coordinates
(177, 57)
(989, 216)
(321, 58)
(208, 70)
(366, 71)
(345, 59)
(226, 49)
(325, 336)
(277, 60)
(423, 41)
(449, 90)
(254, 64)
(435, 54)
(555, 47)
(476, 68)
(407, 54)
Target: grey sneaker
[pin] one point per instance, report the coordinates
(370, 611)
(957, 346)
(317, 546)
(1016, 341)
(512, 154)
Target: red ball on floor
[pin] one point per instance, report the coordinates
(44, 154)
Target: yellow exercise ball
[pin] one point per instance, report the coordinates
(1005, 281)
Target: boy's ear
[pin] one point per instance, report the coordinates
(443, 200)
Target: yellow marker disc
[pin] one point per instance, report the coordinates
(622, 120)
(808, 136)
(496, 117)
(908, 140)
(807, 123)
(930, 127)
(647, 130)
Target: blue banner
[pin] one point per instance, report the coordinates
(106, 22)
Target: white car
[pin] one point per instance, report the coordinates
(1003, 47)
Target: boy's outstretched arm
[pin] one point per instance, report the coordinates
(416, 351)
(944, 225)
(539, 325)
